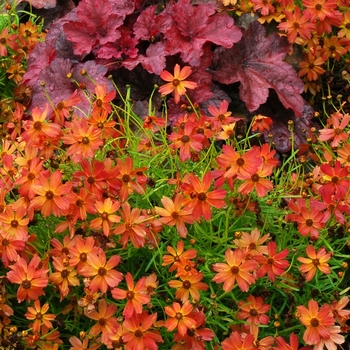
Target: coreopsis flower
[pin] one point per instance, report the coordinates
(261, 123)
(16, 72)
(135, 295)
(200, 198)
(253, 311)
(318, 10)
(81, 203)
(102, 271)
(337, 180)
(273, 264)
(7, 41)
(222, 115)
(227, 132)
(64, 276)
(316, 261)
(281, 344)
(343, 152)
(13, 224)
(264, 6)
(252, 242)
(178, 255)
(337, 307)
(132, 226)
(173, 214)
(9, 248)
(197, 335)
(89, 300)
(39, 127)
(30, 277)
(189, 285)
(84, 139)
(103, 98)
(100, 119)
(61, 249)
(311, 67)
(177, 83)
(331, 342)
(79, 252)
(39, 315)
(29, 34)
(309, 219)
(106, 211)
(179, 317)
(106, 323)
(237, 270)
(186, 140)
(345, 26)
(63, 108)
(335, 48)
(137, 333)
(256, 181)
(50, 194)
(296, 24)
(151, 122)
(317, 322)
(151, 283)
(235, 342)
(244, 165)
(130, 182)
(337, 133)
(77, 344)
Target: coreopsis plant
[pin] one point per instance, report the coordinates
(203, 209)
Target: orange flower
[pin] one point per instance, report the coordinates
(338, 311)
(318, 261)
(253, 311)
(316, 322)
(30, 277)
(7, 40)
(236, 270)
(50, 193)
(39, 127)
(311, 67)
(177, 82)
(252, 242)
(177, 255)
(16, 72)
(345, 26)
(106, 211)
(137, 333)
(77, 344)
(103, 98)
(104, 275)
(235, 164)
(13, 225)
(136, 295)
(64, 277)
(235, 342)
(172, 214)
(132, 227)
(261, 123)
(63, 108)
(189, 285)
(40, 316)
(318, 10)
(84, 139)
(296, 24)
(105, 322)
(201, 199)
(9, 248)
(179, 317)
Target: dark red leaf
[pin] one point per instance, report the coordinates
(193, 26)
(257, 63)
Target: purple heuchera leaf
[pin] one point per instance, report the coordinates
(193, 26)
(96, 25)
(257, 63)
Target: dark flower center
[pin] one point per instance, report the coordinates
(234, 270)
(240, 161)
(26, 284)
(49, 195)
(85, 140)
(102, 271)
(202, 196)
(126, 178)
(130, 295)
(37, 126)
(83, 257)
(316, 262)
(64, 273)
(185, 138)
(314, 322)
(138, 333)
(14, 223)
(253, 312)
(255, 178)
(186, 284)
(102, 322)
(309, 222)
(176, 82)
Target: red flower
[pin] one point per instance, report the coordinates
(50, 195)
(316, 322)
(261, 123)
(316, 261)
(253, 311)
(39, 315)
(105, 322)
(137, 333)
(235, 342)
(179, 317)
(136, 295)
(103, 98)
(189, 285)
(173, 215)
(104, 274)
(178, 255)
(32, 280)
(236, 270)
(201, 198)
(177, 82)
(63, 108)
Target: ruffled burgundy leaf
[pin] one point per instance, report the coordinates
(193, 26)
(257, 63)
